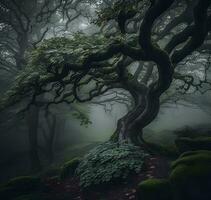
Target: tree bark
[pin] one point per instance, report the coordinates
(130, 127)
(33, 120)
(51, 137)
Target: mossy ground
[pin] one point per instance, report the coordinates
(56, 189)
(68, 169)
(189, 179)
(21, 186)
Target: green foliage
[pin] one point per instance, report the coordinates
(154, 189)
(68, 169)
(47, 60)
(108, 162)
(80, 112)
(108, 13)
(59, 49)
(83, 118)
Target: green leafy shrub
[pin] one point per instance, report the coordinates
(108, 162)
(68, 169)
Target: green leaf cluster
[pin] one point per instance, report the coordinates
(59, 49)
(108, 13)
(55, 52)
(108, 162)
(83, 118)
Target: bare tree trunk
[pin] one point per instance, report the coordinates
(51, 136)
(23, 45)
(33, 121)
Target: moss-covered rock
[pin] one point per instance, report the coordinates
(24, 182)
(191, 176)
(190, 179)
(155, 189)
(35, 196)
(190, 144)
(68, 169)
(20, 186)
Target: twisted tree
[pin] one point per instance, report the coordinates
(141, 56)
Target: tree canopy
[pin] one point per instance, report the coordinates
(140, 48)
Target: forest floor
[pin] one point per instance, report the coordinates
(156, 167)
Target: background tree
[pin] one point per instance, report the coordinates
(23, 25)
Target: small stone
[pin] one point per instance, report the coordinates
(133, 191)
(149, 176)
(132, 197)
(68, 186)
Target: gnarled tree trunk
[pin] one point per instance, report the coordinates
(130, 127)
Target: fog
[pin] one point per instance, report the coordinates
(14, 136)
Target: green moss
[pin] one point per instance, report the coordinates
(155, 189)
(190, 144)
(36, 196)
(191, 176)
(166, 150)
(24, 182)
(6, 193)
(68, 169)
(193, 158)
(20, 186)
(50, 172)
(189, 153)
(190, 179)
